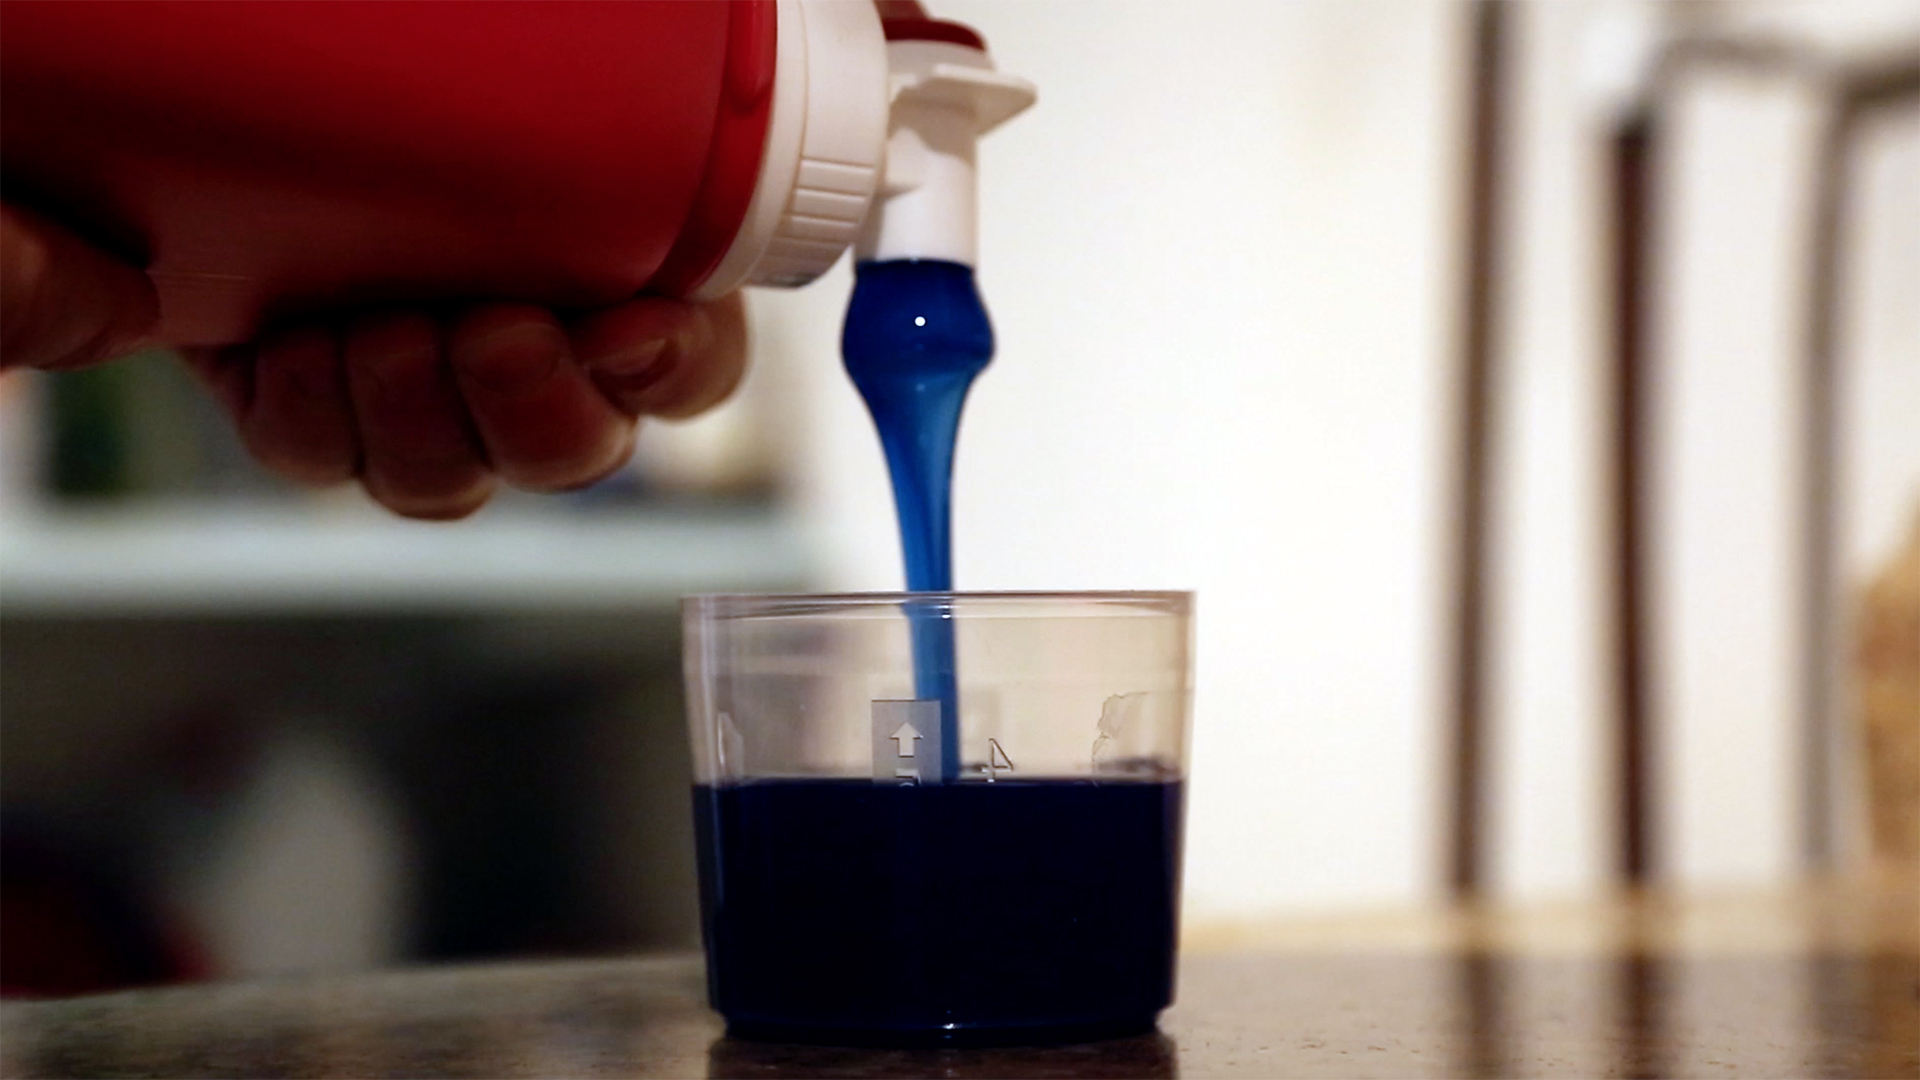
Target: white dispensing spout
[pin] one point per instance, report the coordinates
(946, 93)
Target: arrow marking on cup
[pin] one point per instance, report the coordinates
(905, 737)
(899, 755)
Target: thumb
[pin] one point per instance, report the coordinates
(63, 302)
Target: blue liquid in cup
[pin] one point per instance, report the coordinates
(1020, 911)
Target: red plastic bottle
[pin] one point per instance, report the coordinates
(267, 159)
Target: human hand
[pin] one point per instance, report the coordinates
(430, 414)
(63, 302)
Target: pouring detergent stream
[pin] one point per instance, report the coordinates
(917, 332)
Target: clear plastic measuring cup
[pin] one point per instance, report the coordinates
(972, 840)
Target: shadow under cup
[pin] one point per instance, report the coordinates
(939, 818)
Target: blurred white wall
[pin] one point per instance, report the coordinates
(1551, 764)
(1729, 407)
(1881, 329)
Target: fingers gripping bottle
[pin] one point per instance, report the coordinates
(263, 161)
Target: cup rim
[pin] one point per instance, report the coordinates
(1065, 603)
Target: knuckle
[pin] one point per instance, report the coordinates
(392, 345)
(510, 360)
(714, 383)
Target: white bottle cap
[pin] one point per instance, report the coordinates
(847, 107)
(826, 140)
(945, 96)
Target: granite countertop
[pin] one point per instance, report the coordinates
(1479, 997)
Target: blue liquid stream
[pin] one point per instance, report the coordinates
(915, 337)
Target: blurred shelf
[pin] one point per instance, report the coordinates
(294, 560)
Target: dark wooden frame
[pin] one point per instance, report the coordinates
(1856, 91)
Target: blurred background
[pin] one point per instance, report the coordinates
(1531, 392)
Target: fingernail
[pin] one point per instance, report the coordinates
(633, 369)
(387, 351)
(514, 359)
(630, 359)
